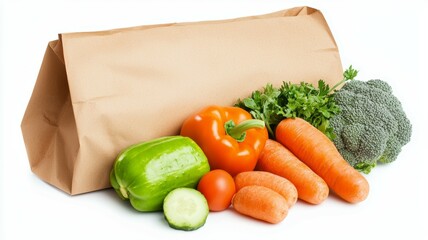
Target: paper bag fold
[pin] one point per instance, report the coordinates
(99, 92)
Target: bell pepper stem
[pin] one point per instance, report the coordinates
(124, 192)
(238, 132)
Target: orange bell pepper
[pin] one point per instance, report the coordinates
(229, 137)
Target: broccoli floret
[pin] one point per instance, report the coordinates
(371, 126)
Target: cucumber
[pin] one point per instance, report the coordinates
(185, 209)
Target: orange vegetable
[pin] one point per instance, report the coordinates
(313, 148)
(277, 159)
(229, 137)
(266, 179)
(261, 203)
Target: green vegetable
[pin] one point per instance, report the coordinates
(314, 104)
(185, 209)
(145, 173)
(371, 126)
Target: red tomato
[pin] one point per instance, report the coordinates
(218, 187)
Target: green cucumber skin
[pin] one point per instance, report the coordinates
(188, 228)
(150, 170)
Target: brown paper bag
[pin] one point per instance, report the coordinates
(99, 92)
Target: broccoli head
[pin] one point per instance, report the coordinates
(371, 126)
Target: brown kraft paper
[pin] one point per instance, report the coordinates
(99, 92)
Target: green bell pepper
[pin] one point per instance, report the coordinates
(145, 173)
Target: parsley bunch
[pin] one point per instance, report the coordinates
(314, 104)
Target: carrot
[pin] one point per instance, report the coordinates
(266, 179)
(261, 203)
(277, 159)
(317, 151)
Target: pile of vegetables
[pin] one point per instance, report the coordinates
(266, 152)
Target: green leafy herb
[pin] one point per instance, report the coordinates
(314, 104)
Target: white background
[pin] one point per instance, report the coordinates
(383, 39)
